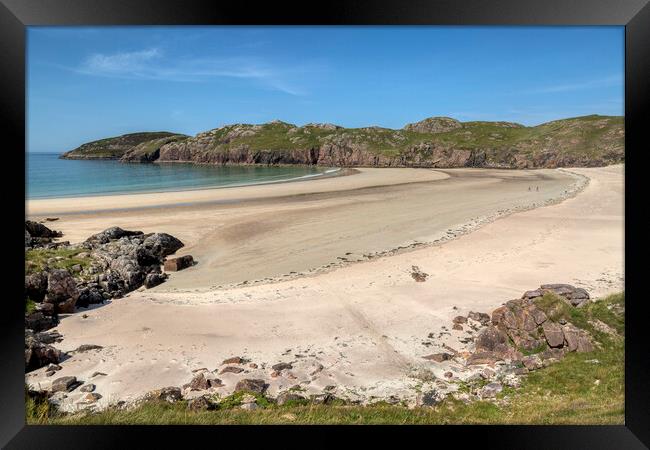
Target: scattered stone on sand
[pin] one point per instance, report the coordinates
(87, 347)
(168, 394)
(418, 275)
(253, 385)
(179, 263)
(87, 387)
(231, 369)
(63, 384)
(234, 360)
(439, 357)
(281, 366)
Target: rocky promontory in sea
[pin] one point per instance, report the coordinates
(441, 142)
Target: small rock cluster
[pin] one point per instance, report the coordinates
(517, 338)
(38, 235)
(120, 261)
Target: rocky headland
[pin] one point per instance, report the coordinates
(440, 142)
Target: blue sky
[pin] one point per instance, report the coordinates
(88, 83)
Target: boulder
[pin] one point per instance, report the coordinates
(154, 279)
(234, 360)
(199, 383)
(90, 294)
(482, 318)
(90, 398)
(111, 234)
(61, 290)
(162, 244)
(281, 366)
(180, 263)
(492, 339)
(202, 403)
(573, 295)
(253, 385)
(460, 319)
(577, 340)
(87, 387)
(532, 362)
(288, 396)
(39, 230)
(64, 384)
(37, 321)
(36, 286)
(169, 394)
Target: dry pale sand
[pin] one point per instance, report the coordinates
(362, 327)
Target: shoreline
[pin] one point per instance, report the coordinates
(214, 195)
(330, 173)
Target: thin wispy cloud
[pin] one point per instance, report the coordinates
(614, 80)
(151, 64)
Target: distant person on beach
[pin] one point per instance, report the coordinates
(537, 188)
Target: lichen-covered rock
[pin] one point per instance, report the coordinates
(111, 234)
(61, 290)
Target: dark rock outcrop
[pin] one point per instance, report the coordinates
(61, 291)
(36, 286)
(37, 353)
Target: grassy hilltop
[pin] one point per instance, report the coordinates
(434, 142)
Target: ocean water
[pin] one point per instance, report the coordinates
(48, 176)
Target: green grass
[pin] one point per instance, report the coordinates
(30, 306)
(582, 388)
(36, 259)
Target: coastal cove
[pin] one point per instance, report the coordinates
(364, 325)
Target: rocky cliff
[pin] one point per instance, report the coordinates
(433, 142)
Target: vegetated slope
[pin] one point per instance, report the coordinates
(434, 142)
(116, 147)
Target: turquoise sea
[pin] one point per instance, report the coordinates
(48, 176)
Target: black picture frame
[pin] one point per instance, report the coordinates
(16, 15)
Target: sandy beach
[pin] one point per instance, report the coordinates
(318, 273)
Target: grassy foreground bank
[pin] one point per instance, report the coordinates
(583, 388)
